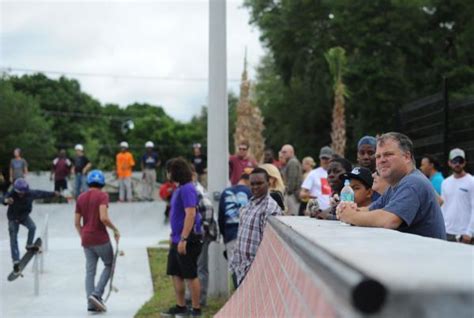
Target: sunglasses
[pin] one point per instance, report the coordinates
(458, 160)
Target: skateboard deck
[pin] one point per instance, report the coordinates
(25, 260)
(111, 281)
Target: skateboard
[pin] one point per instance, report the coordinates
(25, 260)
(111, 281)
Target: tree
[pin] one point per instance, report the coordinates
(249, 125)
(336, 58)
(397, 50)
(21, 125)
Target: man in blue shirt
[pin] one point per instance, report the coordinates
(410, 204)
(430, 168)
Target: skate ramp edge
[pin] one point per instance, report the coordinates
(294, 276)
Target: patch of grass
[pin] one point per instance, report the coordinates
(164, 242)
(164, 296)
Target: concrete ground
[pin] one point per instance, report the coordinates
(61, 292)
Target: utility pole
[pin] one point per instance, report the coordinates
(217, 135)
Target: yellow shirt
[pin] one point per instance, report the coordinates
(125, 163)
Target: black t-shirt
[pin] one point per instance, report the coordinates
(80, 163)
(200, 163)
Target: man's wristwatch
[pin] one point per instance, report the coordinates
(184, 239)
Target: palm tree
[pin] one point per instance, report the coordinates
(336, 58)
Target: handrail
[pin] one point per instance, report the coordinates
(38, 262)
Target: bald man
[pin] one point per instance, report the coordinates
(292, 175)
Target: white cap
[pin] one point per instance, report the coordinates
(79, 147)
(124, 144)
(149, 144)
(456, 152)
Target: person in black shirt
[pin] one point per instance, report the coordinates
(199, 162)
(81, 166)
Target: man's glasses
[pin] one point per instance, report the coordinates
(243, 148)
(457, 160)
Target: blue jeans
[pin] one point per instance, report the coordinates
(80, 184)
(13, 228)
(93, 253)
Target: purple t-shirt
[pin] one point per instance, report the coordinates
(184, 196)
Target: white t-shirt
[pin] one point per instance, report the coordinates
(458, 207)
(317, 184)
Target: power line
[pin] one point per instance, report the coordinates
(84, 115)
(115, 76)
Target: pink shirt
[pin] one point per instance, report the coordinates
(237, 166)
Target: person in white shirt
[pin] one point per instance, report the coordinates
(457, 192)
(315, 185)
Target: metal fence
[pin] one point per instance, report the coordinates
(436, 125)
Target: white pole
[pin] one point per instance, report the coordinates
(217, 134)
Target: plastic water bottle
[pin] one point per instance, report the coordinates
(347, 194)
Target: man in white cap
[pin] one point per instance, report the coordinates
(149, 163)
(316, 185)
(457, 192)
(80, 168)
(124, 162)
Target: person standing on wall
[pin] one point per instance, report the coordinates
(150, 162)
(18, 166)
(81, 166)
(125, 163)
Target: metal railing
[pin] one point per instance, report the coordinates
(38, 262)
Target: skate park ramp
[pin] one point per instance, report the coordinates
(61, 286)
(313, 268)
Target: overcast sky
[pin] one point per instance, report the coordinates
(138, 38)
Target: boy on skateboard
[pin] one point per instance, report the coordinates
(20, 205)
(91, 220)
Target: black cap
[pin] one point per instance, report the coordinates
(362, 174)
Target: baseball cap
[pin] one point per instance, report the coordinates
(326, 152)
(79, 147)
(124, 144)
(367, 140)
(362, 174)
(456, 152)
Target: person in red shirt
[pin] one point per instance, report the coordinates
(240, 163)
(91, 221)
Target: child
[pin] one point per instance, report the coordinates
(92, 210)
(20, 205)
(361, 183)
(336, 169)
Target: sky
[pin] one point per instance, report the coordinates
(164, 41)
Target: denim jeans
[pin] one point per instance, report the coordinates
(80, 184)
(93, 253)
(125, 189)
(13, 228)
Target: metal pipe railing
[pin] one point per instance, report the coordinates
(38, 262)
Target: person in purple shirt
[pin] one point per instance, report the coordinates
(186, 239)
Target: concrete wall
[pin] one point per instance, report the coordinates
(312, 268)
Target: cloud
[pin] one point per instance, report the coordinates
(159, 38)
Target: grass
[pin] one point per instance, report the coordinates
(164, 292)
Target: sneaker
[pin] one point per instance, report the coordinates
(176, 311)
(98, 302)
(195, 312)
(32, 248)
(93, 309)
(16, 267)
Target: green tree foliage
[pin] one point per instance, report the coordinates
(57, 114)
(21, 125)
(397, 50)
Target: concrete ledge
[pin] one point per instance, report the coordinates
(310, 268)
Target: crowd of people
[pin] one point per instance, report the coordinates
(389, 191)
